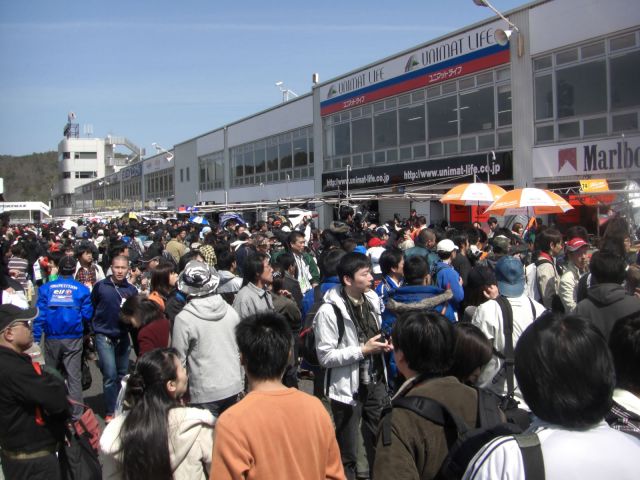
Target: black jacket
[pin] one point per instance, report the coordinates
(605, 304)
(21, 391)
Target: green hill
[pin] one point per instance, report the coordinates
(29, 177)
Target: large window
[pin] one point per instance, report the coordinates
(211, 168)
(588, 90)
(443, 117)
(385, 126)
(273, 159)
(476, 111)
(412, 125)
(470, 114)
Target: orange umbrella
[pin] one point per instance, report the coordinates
(523, 201)
(473, 194)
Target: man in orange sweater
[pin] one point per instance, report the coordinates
(275, 431)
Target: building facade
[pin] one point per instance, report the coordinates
(555, 105)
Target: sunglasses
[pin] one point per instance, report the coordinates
(25, 323)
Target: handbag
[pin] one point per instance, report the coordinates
(79, 460)
(87, 380)
(88, 427)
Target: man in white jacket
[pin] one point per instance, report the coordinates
(351, 349)
(577, 250)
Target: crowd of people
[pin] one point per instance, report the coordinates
(420, 336)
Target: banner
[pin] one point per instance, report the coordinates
(600, 157)
(451, 58)
(458, 169)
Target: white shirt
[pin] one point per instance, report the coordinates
(488, 318)
(597, 453)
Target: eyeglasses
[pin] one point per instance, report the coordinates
(25, 323)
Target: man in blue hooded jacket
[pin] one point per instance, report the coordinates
(415, 295)
(65, 308)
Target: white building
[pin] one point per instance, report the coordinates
(557, 104)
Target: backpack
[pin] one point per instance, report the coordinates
(437, 268)
(464, 442)
(509, 404)
(556, 301)
(307, 338)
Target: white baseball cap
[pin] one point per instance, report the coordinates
(446, 245)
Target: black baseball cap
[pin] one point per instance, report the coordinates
(10, 314)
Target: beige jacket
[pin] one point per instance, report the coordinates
(190, 444)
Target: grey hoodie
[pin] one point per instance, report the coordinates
(204, 335)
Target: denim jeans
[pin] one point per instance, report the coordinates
(113, 360)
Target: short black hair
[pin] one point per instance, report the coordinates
(286, 260)
(427, 341)
(624, 342)
(226, 259)
(351, 263)
(389, 259)
(253, 267)
(330, 262)
(415, 269)
(492, 220)
(545, 238)
(294, 237)
(607, 267)
(565, 371)
(265, 342)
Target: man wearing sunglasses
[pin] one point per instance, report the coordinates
(33, 403)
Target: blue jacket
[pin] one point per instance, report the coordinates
(414, 297)
(448, 277)
(65, 306)
(107, 299)
(429, 255)
(307, 299)
(384, 289)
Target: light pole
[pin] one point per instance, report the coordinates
(502, 36)
(168, 155)
(285, 91)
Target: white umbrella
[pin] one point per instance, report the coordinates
(67, 224)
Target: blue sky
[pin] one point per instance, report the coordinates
(166, 71)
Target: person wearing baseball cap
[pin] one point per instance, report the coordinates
(489, 318)
(576, 251)
(444, 275)
(65, 310)
(34, 403)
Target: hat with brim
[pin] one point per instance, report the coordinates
(198, 279)
(510, 276)
(575, 244)
(67, 265)
(446, 246)
(10, 314)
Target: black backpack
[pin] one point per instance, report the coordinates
(465, 442)
(509, 404)
(307, 338)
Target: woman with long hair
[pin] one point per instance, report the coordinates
(163, 283)
(156, 437)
